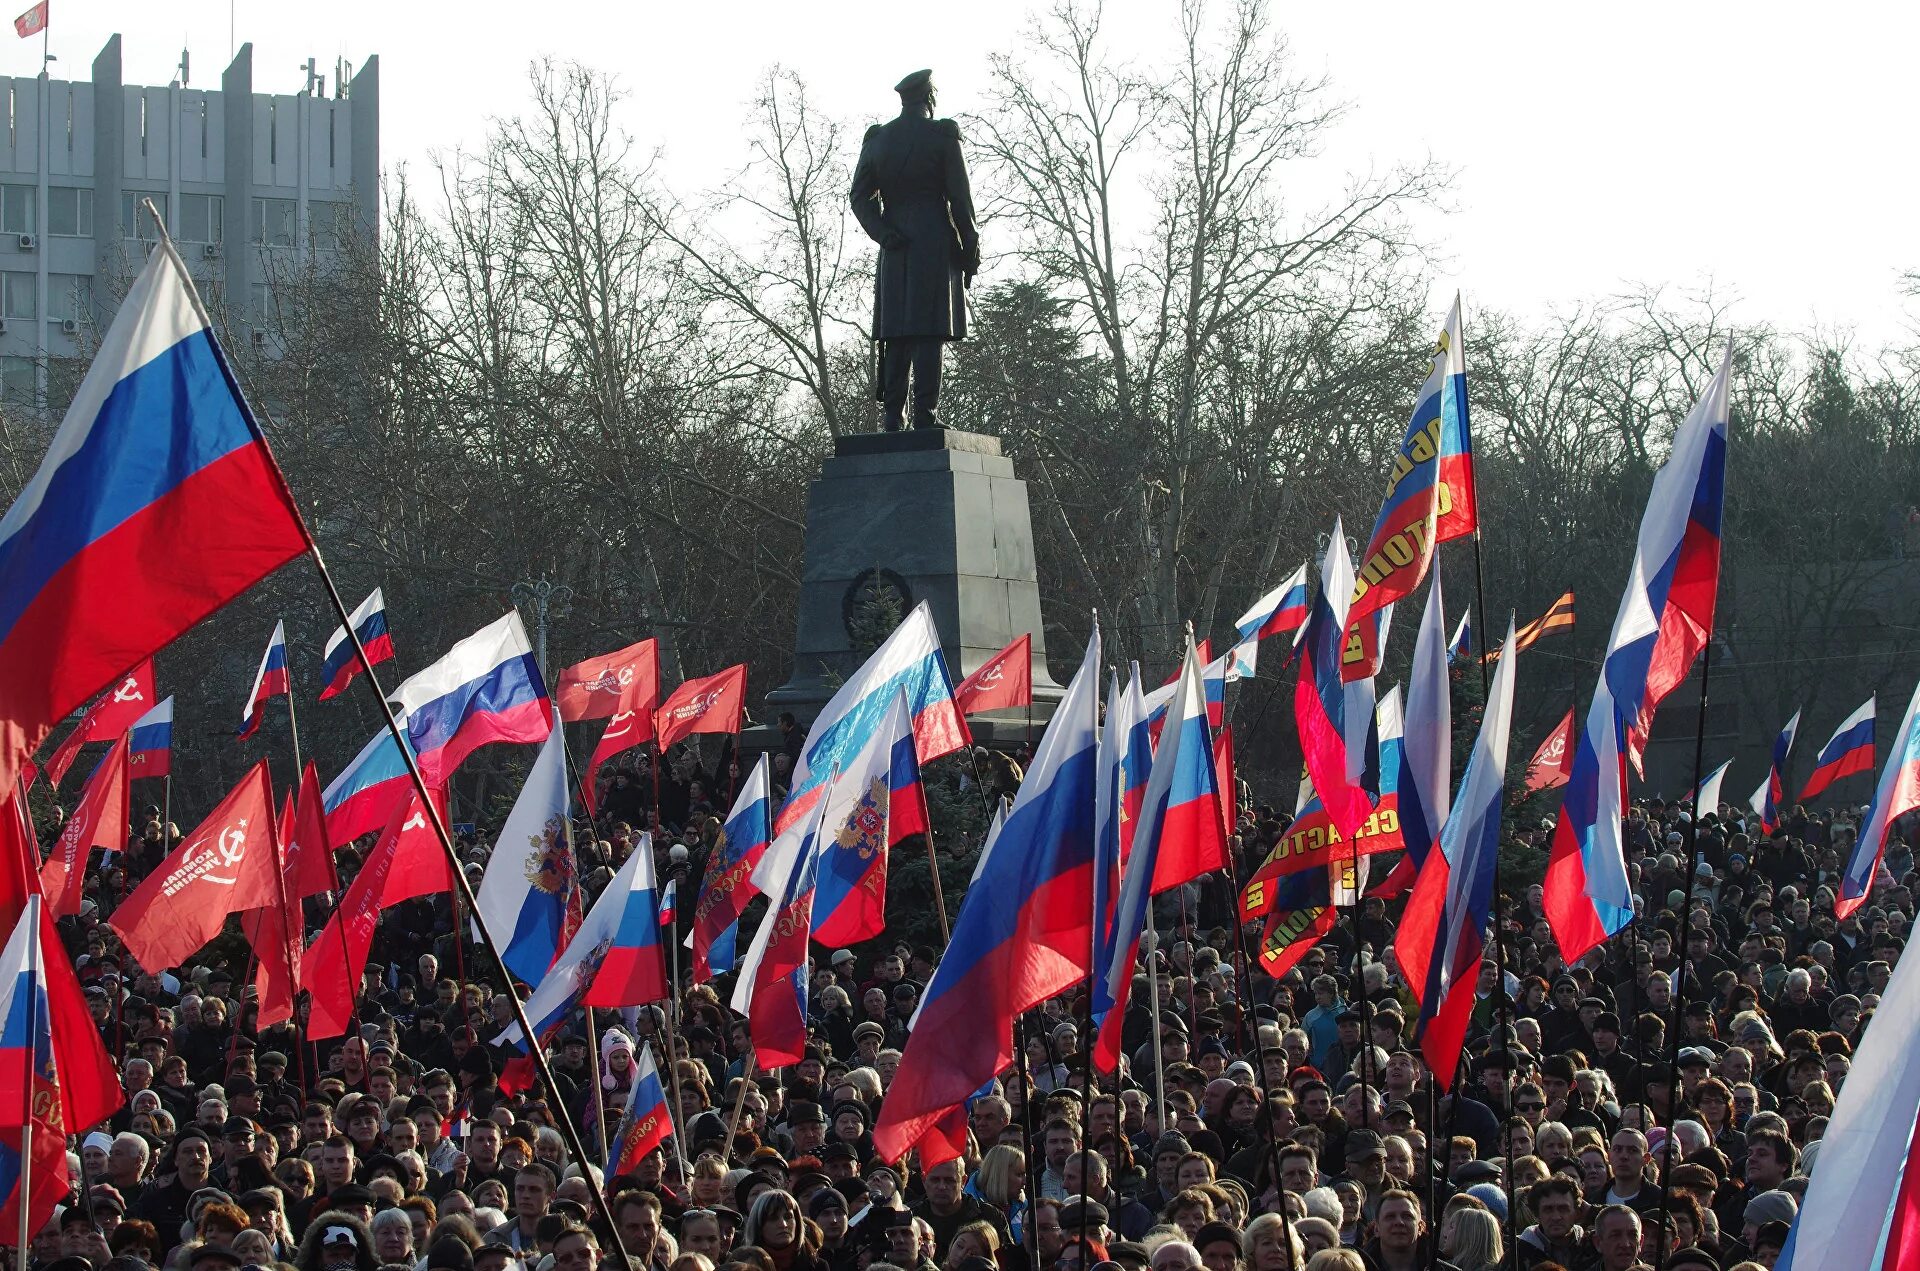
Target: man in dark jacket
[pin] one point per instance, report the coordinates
(911, 195)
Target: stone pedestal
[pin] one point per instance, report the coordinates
(897, 518)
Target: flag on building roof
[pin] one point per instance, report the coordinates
(150, 742)
(157, 491)
(1848, 751)
(1023, 934)
(529, 898)
(1003, 682)
(340, 662)
(1664, 621)
(269, 682)
(1429, 500)
(728, 884)
(910, 658)
(116, 711)
(485, 689)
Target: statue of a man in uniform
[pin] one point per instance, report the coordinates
(910, 195)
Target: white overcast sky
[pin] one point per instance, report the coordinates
(1767, 147)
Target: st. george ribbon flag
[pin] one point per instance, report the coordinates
(158, 491)
(1665, 615)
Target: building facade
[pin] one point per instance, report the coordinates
(249, 185)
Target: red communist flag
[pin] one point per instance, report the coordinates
(226, 866)
(99, 821)
(612, 682)
(107, 719)
(1552, 764)
(275, 931)
(1003, 681)
(711, 704)
(307, 850)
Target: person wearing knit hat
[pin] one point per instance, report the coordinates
(616, 1060)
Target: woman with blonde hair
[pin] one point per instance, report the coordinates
(1001, 1181)
(1270, 1245)
(1336, 1260)
(1470, 1239)
(972, 1240)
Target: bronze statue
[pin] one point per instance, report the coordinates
(910, 195)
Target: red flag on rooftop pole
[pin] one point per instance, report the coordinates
(33, 21)
(100, 820)
(710, 704)
(1002, 682)
(226, 866)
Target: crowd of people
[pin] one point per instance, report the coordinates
(1255, 1124)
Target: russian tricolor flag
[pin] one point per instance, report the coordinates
(1023, 934)
(529, 899)
(1126, 762)
(27, 1077)
(728, 884)
(269, 681)
(340, 663)
(486, 689)
(1766, 800)
(573, 972)
(1462, 643)
(1281, 610)
(670, 902)
(1442, 936)
(908, 659)
(633, 968)
(1848, 751)
(877, 802)
(1897, 794)
(362, 798)
(1177, 836)
(150, 742)
(772, 987)
(1665, 616)
(646, 1123)
(1320, 698)
(157, 503)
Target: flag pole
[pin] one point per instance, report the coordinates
(32, 915)
(599, 1092)
(939, 896)
(739, 1105)
(1235, 869)
(1153, 1002)
(1680, 985)
(1087, 1037)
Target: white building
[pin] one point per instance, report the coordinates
(248, 183)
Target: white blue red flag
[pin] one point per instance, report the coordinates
(1281, 610)
(529, 899)
(645, 1123)
(339, 663)
(771, 990)
(28, 1079)
(1896, 794)
(269, 682)
(1773, 791)
(150, 742)
(1848, 751)
(158, 491)
(1430, 496)
(908, 659)
(670, 903)
(1425, 778)
(1461, 645)
(573, 972)
(1442, 936)
(1023, 934)
(1179, 828)
(878, 801)
(1320, 697)
(728, 884)
(1665, 617)
(362, 798)
(487, 688)
(1708, 798)
(1126, 761)
(633, 968)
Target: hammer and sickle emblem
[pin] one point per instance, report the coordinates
(993, 676)
(418, 821)
(129, 691)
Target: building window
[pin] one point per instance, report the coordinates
(69, 297)
(273, 221)
(70, 211)
(200, 218)
(332, 224)
(17, 294)
(16, 379)
(16, 208)
(133, 214)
